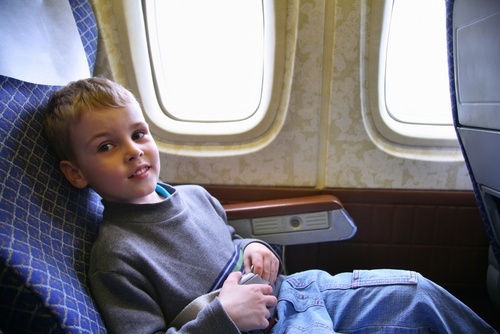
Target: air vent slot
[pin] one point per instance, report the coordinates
(281, 224)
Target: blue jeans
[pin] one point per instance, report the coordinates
(371, 301)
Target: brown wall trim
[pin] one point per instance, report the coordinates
(238, 194)
(437, 233)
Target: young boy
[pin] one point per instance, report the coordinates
(161, 247)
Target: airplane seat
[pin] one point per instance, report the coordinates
(474, 71)
(47, 227)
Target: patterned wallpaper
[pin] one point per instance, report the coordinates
(324, 141)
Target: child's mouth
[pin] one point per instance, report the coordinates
(140, 171)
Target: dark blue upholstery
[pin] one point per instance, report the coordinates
(47, 227)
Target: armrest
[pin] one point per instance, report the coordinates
(290, 221)
(280, 207)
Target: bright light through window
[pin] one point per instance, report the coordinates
(211, 56)
(416, 77)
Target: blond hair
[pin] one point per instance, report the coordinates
(67, 105)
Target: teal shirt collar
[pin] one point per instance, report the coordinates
(162, 191)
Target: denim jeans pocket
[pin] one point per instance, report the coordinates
(365, 278)
(301, 296)
(301, 307)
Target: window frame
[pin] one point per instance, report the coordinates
(382, 127)
(208, 138)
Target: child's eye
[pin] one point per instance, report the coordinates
(104, 147)
(138, 135)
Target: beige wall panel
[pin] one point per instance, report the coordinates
(323, 142)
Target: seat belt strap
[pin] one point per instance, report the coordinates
(192, 309)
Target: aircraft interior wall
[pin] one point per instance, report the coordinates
(323, 142)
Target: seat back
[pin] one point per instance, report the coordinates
(474, 68)
(47, 227)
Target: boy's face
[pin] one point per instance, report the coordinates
(115, 154)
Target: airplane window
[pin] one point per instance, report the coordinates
(208, 58)
(210, 75)
(417, 66)
(407, 76)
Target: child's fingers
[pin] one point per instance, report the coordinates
(234, 277)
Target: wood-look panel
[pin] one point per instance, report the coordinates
(438, 233)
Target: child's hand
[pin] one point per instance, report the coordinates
(247, 305)
(263, 260)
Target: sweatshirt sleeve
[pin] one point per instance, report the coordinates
(128, 308)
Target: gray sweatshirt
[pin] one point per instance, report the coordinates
(151, 260)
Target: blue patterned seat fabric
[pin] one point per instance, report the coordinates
(47, 227)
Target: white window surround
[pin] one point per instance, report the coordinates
(208, 138)
(416, 141)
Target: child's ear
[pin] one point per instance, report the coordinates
(73, 174)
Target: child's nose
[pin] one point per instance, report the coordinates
(133, 152)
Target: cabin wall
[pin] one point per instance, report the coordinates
(323, 143)
(438, 233)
